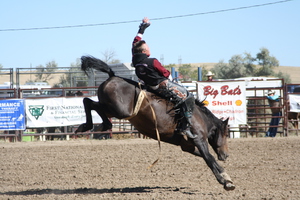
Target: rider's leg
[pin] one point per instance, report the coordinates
(187, 108)
(183, 100)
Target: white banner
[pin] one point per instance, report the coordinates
(225, 99)
(294, 102)
(50, 112)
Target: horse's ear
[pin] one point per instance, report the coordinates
(226, 121)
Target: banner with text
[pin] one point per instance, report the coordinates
(294, 102)
(12, 114)
(50, 112)
(225, 99)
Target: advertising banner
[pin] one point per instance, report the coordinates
(50, 112)
(225, 99)
(12, 114)
(294, 102)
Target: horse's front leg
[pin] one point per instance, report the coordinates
(90, 105)
(222, 177)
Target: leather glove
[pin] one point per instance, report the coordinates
(143, 27)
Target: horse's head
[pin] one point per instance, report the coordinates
(218, 140)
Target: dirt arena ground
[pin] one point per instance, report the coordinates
(261, 168)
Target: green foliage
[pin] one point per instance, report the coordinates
(187, 72)
(238, 66)
(204, 72)
(75, 77)
(267, 63)
(244, 66)
(285, 76)
(169, 67)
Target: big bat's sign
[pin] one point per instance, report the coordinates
(225, 99)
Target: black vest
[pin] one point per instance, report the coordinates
(145, 71)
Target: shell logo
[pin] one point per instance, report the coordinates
(206, 103)
(238, 102)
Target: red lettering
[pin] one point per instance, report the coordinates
(208, 90)
(225, 91)
(220, 103)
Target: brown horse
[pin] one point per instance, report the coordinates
(118, 97)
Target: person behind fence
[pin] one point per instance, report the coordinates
(155, 77)
(209, 76)
(274, 103)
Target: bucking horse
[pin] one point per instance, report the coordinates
(156, 118)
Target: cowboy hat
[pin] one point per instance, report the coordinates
(209, 73)
(271, 92)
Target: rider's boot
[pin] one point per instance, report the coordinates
(185, 102)
(186, 130)
(187, 108)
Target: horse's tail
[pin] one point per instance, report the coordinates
(89, 62)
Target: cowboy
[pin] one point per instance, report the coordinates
(209, 76)
(155, 77)
(274, 102)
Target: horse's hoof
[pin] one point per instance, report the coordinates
(82, 128)
(229, 186)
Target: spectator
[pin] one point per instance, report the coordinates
(209, 76)
(274, 103)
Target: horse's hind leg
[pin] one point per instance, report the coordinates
(90, 105)
(222, 177)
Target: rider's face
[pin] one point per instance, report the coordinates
(146, 49)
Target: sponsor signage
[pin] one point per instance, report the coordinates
(294, 103)
(12, 114)
(225, 99)
(50, 112)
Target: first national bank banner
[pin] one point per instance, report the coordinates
(225, 99)
(50, 112)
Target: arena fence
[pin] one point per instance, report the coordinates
(258, 115)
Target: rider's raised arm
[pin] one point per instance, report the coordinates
(145, 24)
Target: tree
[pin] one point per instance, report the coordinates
(267, 63)
(238, 66)
(109, 57)
(77, 77)
(220, 69)
(74, 78)
(285, 76)
(186, 72)
(45, 72)
(169, 67)
(243, 66)
(248, 63)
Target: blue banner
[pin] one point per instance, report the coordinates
(12, 114)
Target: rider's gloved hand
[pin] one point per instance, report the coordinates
(145, 24)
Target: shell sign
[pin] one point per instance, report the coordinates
(225, 99)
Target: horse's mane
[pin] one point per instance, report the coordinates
(216, 121)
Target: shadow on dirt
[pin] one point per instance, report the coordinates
(93, 191)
